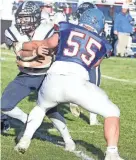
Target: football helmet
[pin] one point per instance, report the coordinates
(59, 17)
(93, 18)
(83, 7)
(27, 17)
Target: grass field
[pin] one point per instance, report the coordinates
(89, 139)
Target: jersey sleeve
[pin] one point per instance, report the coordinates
(8, 42)
(9, 35)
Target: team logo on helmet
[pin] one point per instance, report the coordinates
(94, 18)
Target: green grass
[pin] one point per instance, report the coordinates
(88, 138)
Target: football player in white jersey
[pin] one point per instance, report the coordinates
(33, 69)
(79, 48)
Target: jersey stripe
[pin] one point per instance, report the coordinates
(49, 33)
(13, 36)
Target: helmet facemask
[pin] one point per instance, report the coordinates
(27, 23)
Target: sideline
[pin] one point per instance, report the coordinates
(117, 79)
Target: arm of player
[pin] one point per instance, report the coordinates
(23, 54)
(98, 62)
(51, 42)
(26, 55)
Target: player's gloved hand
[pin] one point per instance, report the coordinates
(42, 50)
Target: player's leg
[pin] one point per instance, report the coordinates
(17, 90)
(93, 99)
(34, 121)
(5, 125)
(36, 117)
(95, 77)
(11, 96)
(60, 124)
(85, 94)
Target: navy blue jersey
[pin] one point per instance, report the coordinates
(79, 45)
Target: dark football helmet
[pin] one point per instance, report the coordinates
(83, 7)
(27, 17)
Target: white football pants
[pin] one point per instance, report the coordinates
(63, 88)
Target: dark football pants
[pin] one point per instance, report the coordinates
(95, 75)
(20, 88)
(3, 117)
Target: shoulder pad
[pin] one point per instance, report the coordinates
(45, 30)
(13, 34)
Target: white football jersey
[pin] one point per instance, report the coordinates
(42, 32)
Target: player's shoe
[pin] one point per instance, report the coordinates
(75, 110)
(112, 156)
(70, 145)
(96, 122)
(5, 126)
(23, 144)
